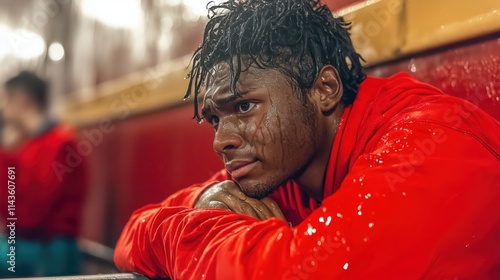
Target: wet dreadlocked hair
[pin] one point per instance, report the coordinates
(295, 37)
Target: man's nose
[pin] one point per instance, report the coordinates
(227, 138)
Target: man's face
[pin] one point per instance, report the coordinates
(264, 137)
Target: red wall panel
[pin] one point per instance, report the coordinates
(143, 160)
(470, 71)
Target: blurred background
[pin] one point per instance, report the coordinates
(123, 63)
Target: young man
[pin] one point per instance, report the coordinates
(44, 197)
(329, 174)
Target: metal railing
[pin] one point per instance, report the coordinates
(96, 251)
(118, 276)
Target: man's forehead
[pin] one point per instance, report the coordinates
(220, 74)
(216, 89)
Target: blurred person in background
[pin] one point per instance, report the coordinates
(50, 182)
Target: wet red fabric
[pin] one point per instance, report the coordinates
(49, 184)
(411, 192)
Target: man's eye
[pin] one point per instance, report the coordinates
(214, 121)
(245, 106)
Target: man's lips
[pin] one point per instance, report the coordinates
(240, 168)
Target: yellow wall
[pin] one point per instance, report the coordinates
(384, 30)
(148, 90)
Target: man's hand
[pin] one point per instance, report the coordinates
(227, 195)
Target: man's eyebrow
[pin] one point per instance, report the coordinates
(221, 101)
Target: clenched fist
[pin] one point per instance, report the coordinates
(227, 195)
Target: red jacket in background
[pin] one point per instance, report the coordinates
(412, 191)
(50, 185)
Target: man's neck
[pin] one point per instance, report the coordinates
(311, 180)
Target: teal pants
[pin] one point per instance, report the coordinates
(58, 257)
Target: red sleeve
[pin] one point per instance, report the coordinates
(288, 197)
(411, 208)
(187, 197)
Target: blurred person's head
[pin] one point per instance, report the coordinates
(277, 75)
(26, 98)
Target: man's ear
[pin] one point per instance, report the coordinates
(327, 89)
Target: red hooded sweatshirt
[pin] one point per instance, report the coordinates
(411, 192)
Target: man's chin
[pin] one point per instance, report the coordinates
(256, 188)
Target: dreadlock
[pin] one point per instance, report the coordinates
(295, 37)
